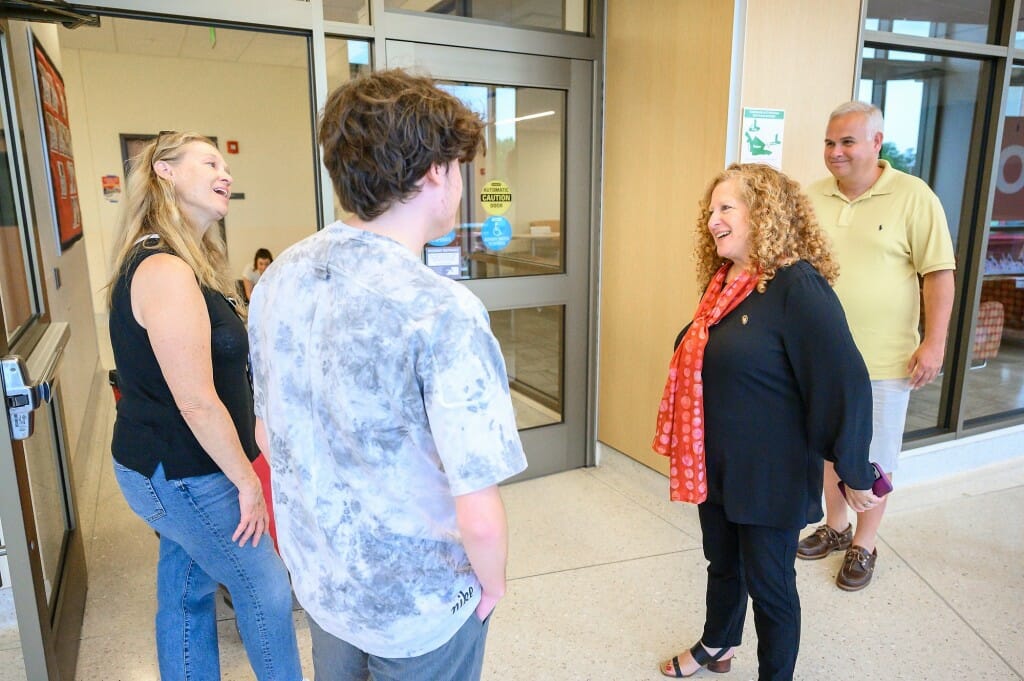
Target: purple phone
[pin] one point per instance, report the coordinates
(879, 488)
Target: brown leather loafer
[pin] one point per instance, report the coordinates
(824, 541)
(858, 566)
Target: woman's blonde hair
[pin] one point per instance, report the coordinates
(151, 207)
(783, 227)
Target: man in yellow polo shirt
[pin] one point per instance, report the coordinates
(888, 230)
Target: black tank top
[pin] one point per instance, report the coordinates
(149, 429)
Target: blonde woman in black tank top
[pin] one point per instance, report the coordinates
(184, 435)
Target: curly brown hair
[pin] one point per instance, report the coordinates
(382, 132)
(783, 227)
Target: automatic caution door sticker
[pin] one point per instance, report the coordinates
(496, 197)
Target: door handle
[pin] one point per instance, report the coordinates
(21, 396)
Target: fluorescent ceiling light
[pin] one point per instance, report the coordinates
(542, 114)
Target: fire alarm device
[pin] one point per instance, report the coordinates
(232, 147)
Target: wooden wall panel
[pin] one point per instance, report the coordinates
(667, 101)
(800, 57)
(667, 98)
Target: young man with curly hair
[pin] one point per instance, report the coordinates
(383, 400)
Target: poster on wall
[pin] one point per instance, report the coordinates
(111, 188)
(763, 131)
(53, 117)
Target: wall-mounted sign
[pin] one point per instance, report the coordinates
(445, 260)
(111, 188)
(762, 135)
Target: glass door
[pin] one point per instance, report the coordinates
(523, 239)
(42, 562)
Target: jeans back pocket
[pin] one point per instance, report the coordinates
(138, 491)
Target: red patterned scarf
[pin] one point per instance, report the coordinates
(680, 434)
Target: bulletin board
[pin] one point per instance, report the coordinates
(53, 117)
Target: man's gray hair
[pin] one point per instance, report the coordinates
(870, 111)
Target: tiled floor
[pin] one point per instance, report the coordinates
(607, 576)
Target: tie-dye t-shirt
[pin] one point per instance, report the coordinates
(384, 394)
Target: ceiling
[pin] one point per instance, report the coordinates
(135, 37)
(183, 41)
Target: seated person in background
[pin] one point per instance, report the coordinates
(252, 273)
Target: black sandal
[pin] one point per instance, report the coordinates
(701, 656)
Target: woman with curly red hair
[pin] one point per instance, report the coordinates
(765, 384)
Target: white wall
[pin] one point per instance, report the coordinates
(266, 109)
(538, 161)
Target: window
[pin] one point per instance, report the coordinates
(510, 222)
(966, 20)
(346, 59)
(995, 379)
(349, 11)
(562, 15)
(928, 101)
(16, 289)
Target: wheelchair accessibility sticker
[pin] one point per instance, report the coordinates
(496, 232)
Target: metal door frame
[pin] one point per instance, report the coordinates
(49, 628)
(561, 446)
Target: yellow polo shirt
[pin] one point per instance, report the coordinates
(883, 240)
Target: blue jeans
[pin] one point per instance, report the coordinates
(196, 518)
(460, 659)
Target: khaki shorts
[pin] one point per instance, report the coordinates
(890, 399)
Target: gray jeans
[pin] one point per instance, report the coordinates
(460, 659)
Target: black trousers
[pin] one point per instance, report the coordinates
(759, 561)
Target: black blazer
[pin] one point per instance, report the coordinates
(784, 389)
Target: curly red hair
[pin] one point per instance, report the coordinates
(783, 227)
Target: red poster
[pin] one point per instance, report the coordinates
(57, 135)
